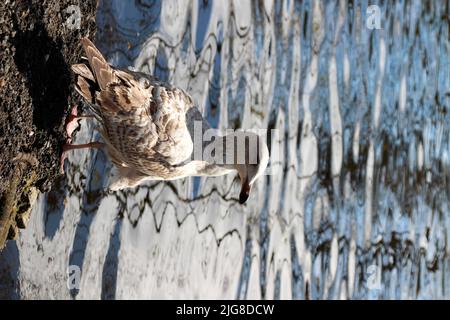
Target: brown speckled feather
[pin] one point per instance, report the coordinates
(143, 120)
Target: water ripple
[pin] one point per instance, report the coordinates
(356, 208)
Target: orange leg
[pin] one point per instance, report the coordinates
(94, 145)
(67, 147)
(71, 125)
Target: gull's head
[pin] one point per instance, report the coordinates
(252, 160)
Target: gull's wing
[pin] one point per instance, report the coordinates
(143, 120)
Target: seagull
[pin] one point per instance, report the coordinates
(149, 129)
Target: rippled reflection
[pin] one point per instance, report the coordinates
(358, 206)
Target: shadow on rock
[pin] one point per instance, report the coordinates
(39, 58)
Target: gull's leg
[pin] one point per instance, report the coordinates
(93, 145)
(67, 147)
(71, 125)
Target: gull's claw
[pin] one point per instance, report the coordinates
(72, 124)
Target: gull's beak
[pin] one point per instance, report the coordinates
(245, 192)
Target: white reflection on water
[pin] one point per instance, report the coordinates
(358, 208)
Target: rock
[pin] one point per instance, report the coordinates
(35, 91)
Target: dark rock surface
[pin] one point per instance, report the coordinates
(38, 42)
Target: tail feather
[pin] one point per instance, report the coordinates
(83, 70)
(84, 89)
(102, 71)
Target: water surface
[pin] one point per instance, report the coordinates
(357, 205)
